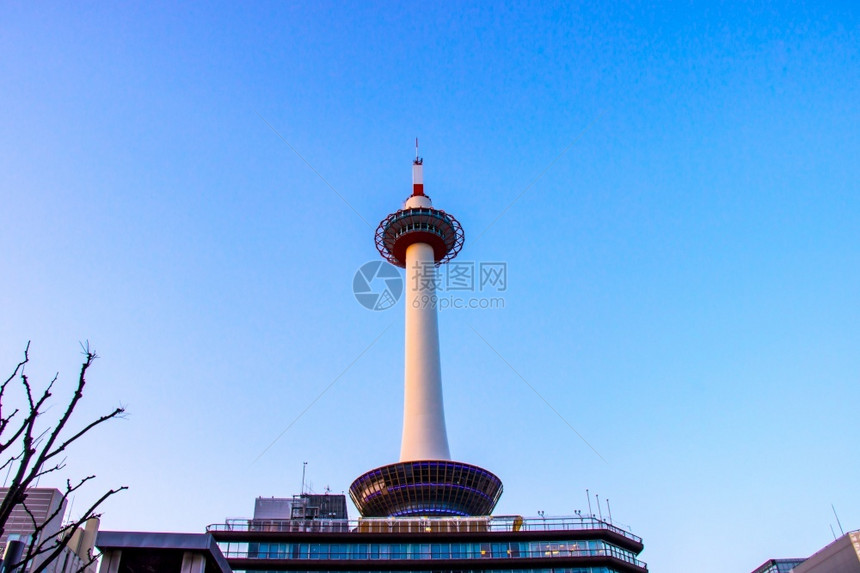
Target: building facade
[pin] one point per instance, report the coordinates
(484, 543)
(46, 508)
(841, 556)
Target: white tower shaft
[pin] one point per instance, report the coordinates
(424, 435)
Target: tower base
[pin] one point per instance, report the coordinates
(426, 488)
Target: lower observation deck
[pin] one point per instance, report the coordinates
(426, 488)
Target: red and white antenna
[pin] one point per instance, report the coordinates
(417, 174)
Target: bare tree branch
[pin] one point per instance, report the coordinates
(33, 448)
(17, 369)
(116, 413)
(88, 514)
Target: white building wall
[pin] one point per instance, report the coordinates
(841, 556)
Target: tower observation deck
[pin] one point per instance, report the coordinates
(425, 482)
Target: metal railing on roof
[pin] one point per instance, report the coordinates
(424, 525)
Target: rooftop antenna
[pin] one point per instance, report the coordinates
(831, 531)
(588, 497)
(837, 519)
(609, 509)
(304, 467)
(598, 506)
(417, 173)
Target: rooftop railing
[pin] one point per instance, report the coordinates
(424, 525)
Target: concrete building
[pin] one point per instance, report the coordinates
(137, 552)
(479, 543)
(301, 507)
(841, 556)
(48, 508)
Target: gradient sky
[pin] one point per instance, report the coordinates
(673, 188)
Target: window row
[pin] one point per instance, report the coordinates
(561, 570)
(394, 551)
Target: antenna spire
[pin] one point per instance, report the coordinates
(417, 174)
(418, 160)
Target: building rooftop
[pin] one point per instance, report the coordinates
(129, 551)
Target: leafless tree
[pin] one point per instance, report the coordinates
(32, 447)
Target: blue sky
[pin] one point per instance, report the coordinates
(673, 188)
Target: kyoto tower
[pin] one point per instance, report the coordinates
(425, 482)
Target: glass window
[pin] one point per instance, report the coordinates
(440, 551)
